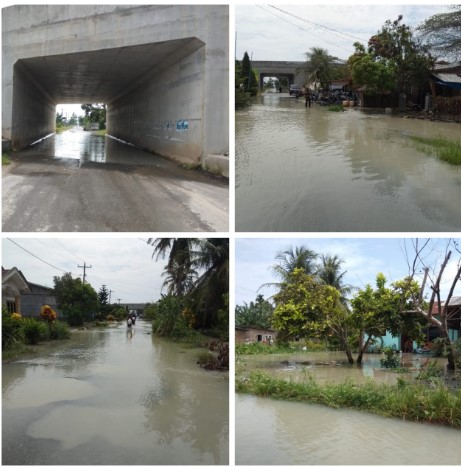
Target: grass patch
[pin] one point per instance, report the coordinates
(5, 159)
(442, 148)
(256, 348)
(413, 402)
(335, 108)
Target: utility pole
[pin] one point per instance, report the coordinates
(85, 267)
(110, 294)
(119, 300)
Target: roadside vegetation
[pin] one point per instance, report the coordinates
(19, 332)
(442, 148)
(195, 310)
(412, 402)
(5, 159)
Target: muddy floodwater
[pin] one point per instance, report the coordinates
(87, 147)
(112, 397)
(309, 169)
(273, 432)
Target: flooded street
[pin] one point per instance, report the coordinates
(79, 181)
(309, 169)
(110, 397)
(272, 432)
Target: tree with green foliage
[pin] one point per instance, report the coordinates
(198, 270)
(442, 33)
(77, 300)
(257, 314)
(248, 76)
(393, 60)
(307, 308)
(377, 311)
(320, 66)
(103, 302)
(95, 113)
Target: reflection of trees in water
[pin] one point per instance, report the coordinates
(188, 403)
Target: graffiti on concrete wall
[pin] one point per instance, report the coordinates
(180, 131)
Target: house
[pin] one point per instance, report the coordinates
(453, 318)
(13, 283)
(248, 335)
(26, 298)
(35, 297)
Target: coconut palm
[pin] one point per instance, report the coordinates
(291, 259)
(329, 272)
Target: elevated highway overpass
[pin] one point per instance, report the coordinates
(293, 71)
(162, 71)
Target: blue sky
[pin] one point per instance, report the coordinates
(363, 259)
(271, 34)
(124, 265)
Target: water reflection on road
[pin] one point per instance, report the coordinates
(87, 146)
(112, 397)
(301, 169)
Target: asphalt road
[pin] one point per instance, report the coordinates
(42, 194)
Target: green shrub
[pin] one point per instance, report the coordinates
(12, 330)
(167, 317)
(59, 330)
(35, 331)
(390, 360)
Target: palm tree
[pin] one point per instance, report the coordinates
(211, 287)
(199, 270)
(330, 273)
(299, 258)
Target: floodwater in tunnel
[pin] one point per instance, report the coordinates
(88, 146)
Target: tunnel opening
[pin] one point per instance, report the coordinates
(154, 94)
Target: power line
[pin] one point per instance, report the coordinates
(35, 256)
(348, 50)
(316, 24)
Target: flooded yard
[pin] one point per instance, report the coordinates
(309, 169)
(274, 432)
(112, 397)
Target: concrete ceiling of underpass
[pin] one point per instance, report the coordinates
(104, 75)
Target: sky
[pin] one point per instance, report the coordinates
(363, 259)
(125, 266)
(68, 109)
(267, 33)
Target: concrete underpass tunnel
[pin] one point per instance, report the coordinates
(154, 94)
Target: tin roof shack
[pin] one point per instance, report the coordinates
(445, 97)
(246, 335)
(37, 296)
(13, 283)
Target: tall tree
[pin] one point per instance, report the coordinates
(291, 259)
(199, 270)
(320, 66)
(394, 56)
(307, 308)
(442, 32)
(438, 312)
(77, 300)
(329, 272)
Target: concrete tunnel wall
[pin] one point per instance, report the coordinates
(34, 112)
(166, 114)
(179, 109)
